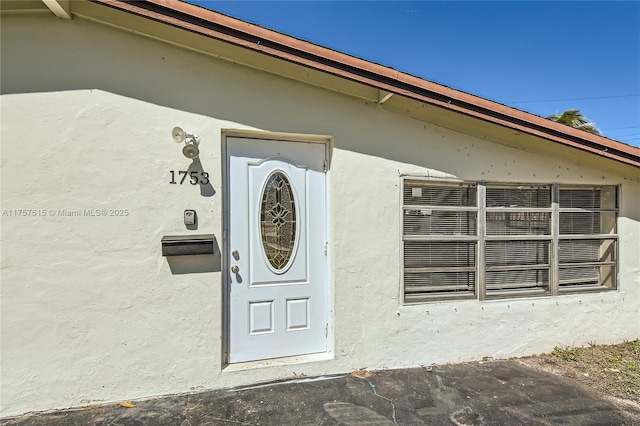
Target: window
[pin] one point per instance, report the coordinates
(587, 239)
(467, 240)
(440, 234)
(517, 240)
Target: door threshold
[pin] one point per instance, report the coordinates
(275, 362)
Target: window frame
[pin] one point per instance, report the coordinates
(438, 238)
(522, 289)
(563, 288)
(554, 238)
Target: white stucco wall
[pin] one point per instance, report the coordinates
(92, 312)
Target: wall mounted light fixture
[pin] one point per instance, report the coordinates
(190, 140)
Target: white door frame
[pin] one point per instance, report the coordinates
(327, 141)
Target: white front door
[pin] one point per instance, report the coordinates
(277, 260)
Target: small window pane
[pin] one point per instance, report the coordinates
(421, 193)
(581, 278)
(419, 254)
(425, 285)
(579, 198)
(581, 251)
(433, 222)
(515, 282)
(587, 223)
(588, 197)
(509, 253)
(519, 196)
(518, 223)
(582, 275)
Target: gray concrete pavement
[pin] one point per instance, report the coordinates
(489, 393)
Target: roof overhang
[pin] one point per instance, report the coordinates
(234, 40)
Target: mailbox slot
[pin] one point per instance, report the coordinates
(187, 245)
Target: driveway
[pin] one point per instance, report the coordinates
(477, 393)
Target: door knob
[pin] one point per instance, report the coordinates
(235, 269)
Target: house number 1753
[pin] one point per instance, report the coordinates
(179, 176)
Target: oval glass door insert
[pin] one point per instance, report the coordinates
(278, 220)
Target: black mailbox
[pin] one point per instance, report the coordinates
(186, 245)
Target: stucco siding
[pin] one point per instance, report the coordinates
(92, 312)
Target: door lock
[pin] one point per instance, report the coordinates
(235, 269)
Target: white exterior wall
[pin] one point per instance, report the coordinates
(92, 312)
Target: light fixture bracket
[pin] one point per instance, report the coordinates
(191, 141)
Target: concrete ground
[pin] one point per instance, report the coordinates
(487, 393)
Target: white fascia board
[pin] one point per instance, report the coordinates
(60, 8)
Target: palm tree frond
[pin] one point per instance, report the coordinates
(574, 118)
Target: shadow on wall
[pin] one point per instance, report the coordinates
(206, 189)
(195, 264)
(168, 76)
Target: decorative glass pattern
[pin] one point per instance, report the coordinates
(278, 220)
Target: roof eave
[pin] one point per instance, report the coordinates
(216, 25)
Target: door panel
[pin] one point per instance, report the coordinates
(278, 279)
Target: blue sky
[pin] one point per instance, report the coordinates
(542, 57)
